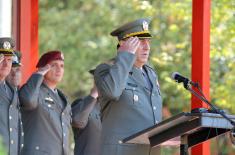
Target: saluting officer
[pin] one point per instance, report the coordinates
(128, 91)
(46, 112)
(14, 77)
(86, 124)
(9, 105)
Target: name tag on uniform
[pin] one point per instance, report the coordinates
(136, 98)
(132, 84)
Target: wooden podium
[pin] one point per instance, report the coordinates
(184, 130)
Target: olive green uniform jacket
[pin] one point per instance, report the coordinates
(10, 120)
(46, 122)
(87, 136)
(127, 104)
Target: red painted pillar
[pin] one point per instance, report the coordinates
(28, 35)
(201, 59)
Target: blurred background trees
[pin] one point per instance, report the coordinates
(81, 28)
(2, 148)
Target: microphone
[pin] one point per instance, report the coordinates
(181, 79)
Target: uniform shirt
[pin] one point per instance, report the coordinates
(128, 105)
(9, 118)
(46, 123)
(88, 136)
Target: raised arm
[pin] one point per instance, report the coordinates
(29, 92)
(111, 79)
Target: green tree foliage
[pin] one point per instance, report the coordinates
(80, 28)
(223, 54)
(2, 149)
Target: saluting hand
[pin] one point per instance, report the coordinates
(1, 57)
(129, 45)
(44, 70)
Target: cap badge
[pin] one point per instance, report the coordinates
(62, 56)
(6, 45)
(145, 25)
(15, 59)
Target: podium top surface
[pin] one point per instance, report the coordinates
(169, 131)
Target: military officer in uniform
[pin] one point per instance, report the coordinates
(14, 78)
(46, 112)
(129, 93)
(87, 124)
(9, 105)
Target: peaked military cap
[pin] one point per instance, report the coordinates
(6, 46)
(139, 28)
(16, 59)
(92, 71)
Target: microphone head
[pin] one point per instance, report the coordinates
(174, 75)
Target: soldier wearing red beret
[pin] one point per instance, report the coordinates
(46, 112)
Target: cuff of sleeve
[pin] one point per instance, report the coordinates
(89, 99)
(37, 77)
(126, 57)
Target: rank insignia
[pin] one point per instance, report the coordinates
(49, 99)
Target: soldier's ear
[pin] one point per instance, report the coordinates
(119, 43)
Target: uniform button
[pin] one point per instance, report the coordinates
(22, 145)
(152, 94)
(10, 117)
(64, 134)
(154, 108)
(10, 129)
(63, 113)
(49, 105)
(11, 106)
(22, 133)
(63, 145)
(12, 141)
(37, 147)
(133, 88)
(62, 123)
(156, 122)
(136, 98)
(21, 123)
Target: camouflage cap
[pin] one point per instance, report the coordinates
(6, 46)
(16, 59)
(139, 28)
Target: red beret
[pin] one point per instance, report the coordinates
(48, 57)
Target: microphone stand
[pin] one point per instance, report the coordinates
(188, 86)
(202, 98)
